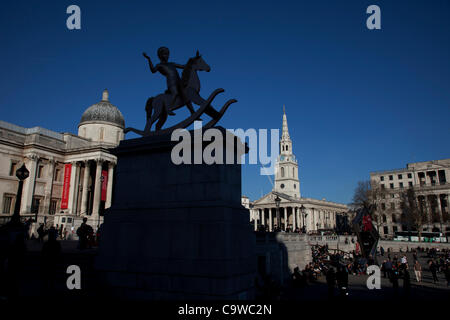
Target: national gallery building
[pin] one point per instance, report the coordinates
(70, 176)
(284, 208)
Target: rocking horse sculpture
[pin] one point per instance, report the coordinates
(180, 92)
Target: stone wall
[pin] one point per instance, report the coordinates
(279, 253)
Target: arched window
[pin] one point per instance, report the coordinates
(287, 148)
(282, 172)
(384, 218)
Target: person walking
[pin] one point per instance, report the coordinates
(418, 271)
(406, 282)
(433, 269)
(331, 281)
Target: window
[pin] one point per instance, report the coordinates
(400, 177)
(392, 206)
(409, 175)
(282, 172)
(384, 218)
(391, 177)
(53, 206)
(401, 185)
(57, 172)
(383, 206)
(13, 168)
(282, 186)
(7, 201)
(35, 205)
(40, 171)
(382, 186)
(391, 186)
(382, 178)
(295, 187)
(410, 183)
(394, 228)
(392, 195)
(394, 218)
(385, 230)
(287, 148)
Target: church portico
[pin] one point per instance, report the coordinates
(284, 209)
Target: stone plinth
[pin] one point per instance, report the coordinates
(175, 231)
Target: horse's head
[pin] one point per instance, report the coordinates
(199, 64)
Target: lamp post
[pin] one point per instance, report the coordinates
(277, 204)
(22, 173)
(304, 215)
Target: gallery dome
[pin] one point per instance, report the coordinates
(103, 112)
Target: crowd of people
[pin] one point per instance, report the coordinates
(87, 237)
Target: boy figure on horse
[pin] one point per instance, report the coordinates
(169, 70)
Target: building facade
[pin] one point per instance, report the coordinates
(71, 176)
(430, 182)
(293, 212)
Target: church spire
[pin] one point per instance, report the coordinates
(285, 132)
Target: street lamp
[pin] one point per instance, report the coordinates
(22, 173)
(277, 204)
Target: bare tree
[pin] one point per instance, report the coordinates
(367, 194)
(414, 211)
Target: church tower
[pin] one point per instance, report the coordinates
(286, 170)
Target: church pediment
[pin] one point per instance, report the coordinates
(270, 198)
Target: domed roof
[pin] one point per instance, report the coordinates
(103, 111)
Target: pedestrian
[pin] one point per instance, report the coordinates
(331, 281)
(382, 251)
(41, 233)
(406, 282)
(433, 269)
(447, 272)
(51, 256)
(394, 279)
(83, 233)
(342, 281)
(418, 271)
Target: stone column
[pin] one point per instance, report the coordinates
(255, 218)
(73, 188)
(109, 185)
(84, 195)
(97, 190)
(31, 162)
(294, 220)
(438, 198)
(263, 217)
(49, 185)
(285, 218)
(270, 220)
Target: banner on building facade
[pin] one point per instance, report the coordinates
(66, 186)
(104, 184)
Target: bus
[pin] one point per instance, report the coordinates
(414, 236)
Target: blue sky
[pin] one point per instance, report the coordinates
(357, 100)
